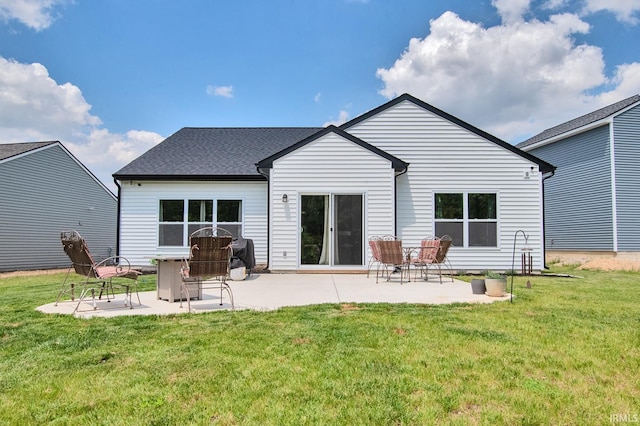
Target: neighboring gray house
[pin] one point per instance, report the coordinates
(46, 190)
(310, 198)
(593, 201)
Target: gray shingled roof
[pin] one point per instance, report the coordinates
(213, 152)
(8, 150)
(584, 120)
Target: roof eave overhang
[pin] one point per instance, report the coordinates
(603, 121)
(570, 133)
(226, 178)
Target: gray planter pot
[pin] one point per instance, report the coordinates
(496, 287)
(477, 286)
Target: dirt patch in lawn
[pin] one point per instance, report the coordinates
(601, 261)
(613, 264)
(29, 273)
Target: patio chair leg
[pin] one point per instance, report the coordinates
(137, 293)
(184, 291)
(230, 293)
(181, 294)
(127, 298)
(64, 286)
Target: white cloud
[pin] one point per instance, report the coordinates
(36, 14)
(624, 10)
(223, 91)
(34, 107)
(511, 10)
(343, 117)
(512, 80)
(317, 97)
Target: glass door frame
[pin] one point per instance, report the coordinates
(332, 237)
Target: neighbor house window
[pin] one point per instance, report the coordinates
(469, 218)
(176, 222)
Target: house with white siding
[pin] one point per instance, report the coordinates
(310, 198)
(46, 190)
(593, 203)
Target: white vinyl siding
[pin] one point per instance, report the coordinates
(140, 214)
(328, 165)
(445, 157)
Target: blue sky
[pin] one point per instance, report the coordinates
(112, 78)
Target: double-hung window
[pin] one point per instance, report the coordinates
(229, 216)
(199, 215)
(179, 218)
(469, 218)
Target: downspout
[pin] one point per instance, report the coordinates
(266, 175)
(544, 222)
(118, 219)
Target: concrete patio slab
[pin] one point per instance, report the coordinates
(265, 292)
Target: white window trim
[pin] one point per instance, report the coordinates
(465, 216)
(185, 216)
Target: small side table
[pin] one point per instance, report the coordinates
(169, 280)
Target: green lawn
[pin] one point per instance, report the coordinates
(566, 351)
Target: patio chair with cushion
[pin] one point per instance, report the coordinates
(392, 257)
(441, 259)
(427, 255)
(375, 254)
(208, 264)
(112, 272)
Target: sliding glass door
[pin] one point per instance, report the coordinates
(331, 229)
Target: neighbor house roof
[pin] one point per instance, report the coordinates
(544, 166)
(8, 150)
(581, 121)
(208, 153)
(13, 151)
(396, 163)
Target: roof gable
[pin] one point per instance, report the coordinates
(397, 164)
(544, 166)
(582, 121)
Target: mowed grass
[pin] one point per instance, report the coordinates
(566, 351)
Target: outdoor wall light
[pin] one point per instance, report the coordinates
(285, 198)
